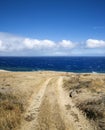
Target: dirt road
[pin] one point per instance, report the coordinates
(52, 109)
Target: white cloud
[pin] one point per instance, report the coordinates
(67, 44)
(22, 46)
(30, 44)
(38, 44)
(10, 42)
(2, 47)
(14, 44)
(93, 43)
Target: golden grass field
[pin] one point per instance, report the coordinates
(52, 101)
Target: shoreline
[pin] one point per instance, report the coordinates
(52, 71)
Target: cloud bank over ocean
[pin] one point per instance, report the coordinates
(93, 43)
(11, 45)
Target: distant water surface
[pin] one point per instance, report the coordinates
(68, 64)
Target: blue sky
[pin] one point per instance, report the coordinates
(52, 27)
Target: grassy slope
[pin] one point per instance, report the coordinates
(88, 93)
(15, 91)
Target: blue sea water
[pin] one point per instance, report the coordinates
(68, 64)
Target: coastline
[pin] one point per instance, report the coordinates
(1, 70)
(52, 71)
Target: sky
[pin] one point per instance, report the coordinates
(52, 27)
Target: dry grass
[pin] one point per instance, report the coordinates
(11, 110)
(94, 110)
(15, 92)
(88, 93)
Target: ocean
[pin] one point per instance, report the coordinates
(67, 64)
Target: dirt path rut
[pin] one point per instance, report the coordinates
(52, 109)
(33, 109)
(73, 118)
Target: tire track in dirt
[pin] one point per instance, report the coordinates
(73, 118)
(33, 109)
(52, 109)
(49, 117)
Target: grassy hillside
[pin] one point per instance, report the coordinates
(87, 91)
(15, 92)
